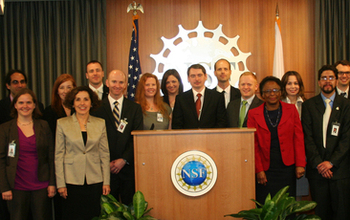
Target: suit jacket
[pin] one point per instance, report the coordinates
(121, 145)
(5, 109)
(213, 114)
(105, 92)
(75, 161)
(234, 93)
(45, 149)
(233, 111)
(51, 117)
(337, 151)
(339, 93)
(290, 136)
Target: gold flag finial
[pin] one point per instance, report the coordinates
(134, 7)
(277, 12)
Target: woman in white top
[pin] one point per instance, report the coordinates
(293, 93)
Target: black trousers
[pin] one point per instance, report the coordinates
(83, 202)
(25, 202)
(332, 197)
(123, 188)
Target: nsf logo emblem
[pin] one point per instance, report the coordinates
(194, 173)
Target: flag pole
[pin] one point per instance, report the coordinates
(134, 67)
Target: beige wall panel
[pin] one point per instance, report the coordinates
(253, 20)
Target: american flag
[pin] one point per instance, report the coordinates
(134, 68)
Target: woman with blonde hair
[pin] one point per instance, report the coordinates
(156, 113)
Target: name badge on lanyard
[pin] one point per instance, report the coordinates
(12, 149)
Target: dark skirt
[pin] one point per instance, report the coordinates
(83, 202)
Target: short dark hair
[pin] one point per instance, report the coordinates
(11, 72)
(69, 100)
(327, 67)
(171, 72)
(94, 61)
(36, 113)
(196, 66)
(269, 79)
(342, 62)
(229, 64)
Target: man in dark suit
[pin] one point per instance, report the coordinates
(343, 67)
(223, 74)
(248, 85)
(15, 80)
(326, 125)
(95, 74)
(119, 135)
(199, 107)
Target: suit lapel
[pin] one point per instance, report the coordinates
(260, 118)
(255, 103)
(192, 105)
(107, 108)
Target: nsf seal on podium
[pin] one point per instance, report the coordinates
(194, 173)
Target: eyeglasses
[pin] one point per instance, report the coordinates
(269, 91)
(341, 73)
(325, 78)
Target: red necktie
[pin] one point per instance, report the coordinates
(198, 103)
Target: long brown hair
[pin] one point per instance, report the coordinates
(285, 81)
(56, 101)
(140, 95)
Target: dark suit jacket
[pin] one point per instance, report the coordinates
(5, 109)
(45, 149)
(234, 94)
(337, 151)
(213, 113)
(290, 136)
(121, 145)
(51, 117)
(105, 92)
(233, 111)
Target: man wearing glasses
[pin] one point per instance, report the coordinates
(343, 67)
(326, 124)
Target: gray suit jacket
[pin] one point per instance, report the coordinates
(233, 111)
(73, 161)
(45, 149)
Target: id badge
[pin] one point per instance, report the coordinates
(122, 125)
(335, 128)
(159, 117)
(12, 149)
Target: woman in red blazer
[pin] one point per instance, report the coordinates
(279, 142)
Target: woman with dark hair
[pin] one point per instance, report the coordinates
(81, 157)
(171, 86)
(293, 93)
(62, 86)
(27, 179)
(293, 89)
(279, 142)
(156, 113)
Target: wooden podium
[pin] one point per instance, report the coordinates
(231, 149)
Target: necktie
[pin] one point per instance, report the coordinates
(343, 94)
(242, 113)
(198, 104)
(326, 116)
(116, 113)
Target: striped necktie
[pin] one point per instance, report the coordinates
(116, 113)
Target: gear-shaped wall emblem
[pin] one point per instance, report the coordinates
(205, 48)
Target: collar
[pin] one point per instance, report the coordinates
(99, 89)
(340, 91)
(227, 90)
(299, 100)
(250, 100)
(331, 98)
(112, 100)
(195, 93)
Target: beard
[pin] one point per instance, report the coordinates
(328, 91)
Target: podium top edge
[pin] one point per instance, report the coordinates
(194, 131)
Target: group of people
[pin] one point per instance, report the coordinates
(81, 145)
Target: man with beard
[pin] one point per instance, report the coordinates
(326, 125)
(343, 67)
(223, 74)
